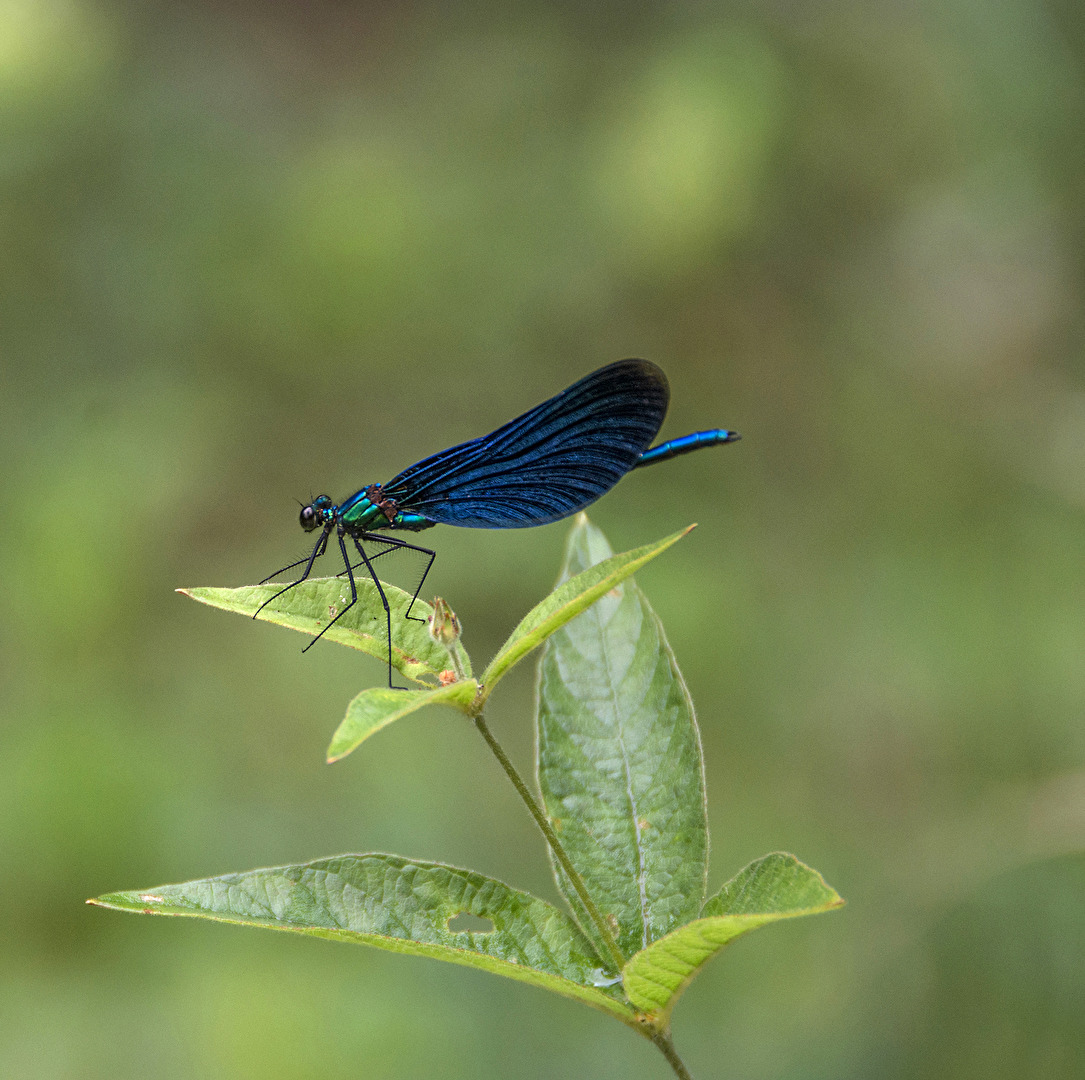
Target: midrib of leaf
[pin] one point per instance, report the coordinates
(630, 794)
(771, 888)
(402, 906)
(308, 607)
(568, 600)
(599, 787)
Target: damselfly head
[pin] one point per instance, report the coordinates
(315, 514)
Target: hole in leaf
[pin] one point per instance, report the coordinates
(464, 920)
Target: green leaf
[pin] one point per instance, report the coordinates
(775, 887)
(619, 759)
(311, 605)
(403, 906)
(568, 600)
(378, 707)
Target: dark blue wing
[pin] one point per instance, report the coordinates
(548, 463)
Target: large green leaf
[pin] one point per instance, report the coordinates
(309, 607)
(620, 765)
(568, 600)
(378, 707)
(403, 906)
(775, 887)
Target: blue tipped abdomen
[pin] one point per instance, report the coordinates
(686, 444)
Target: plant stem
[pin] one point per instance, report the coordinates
(662, 1039)
(575, 879)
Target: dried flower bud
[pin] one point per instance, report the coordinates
(444, 627)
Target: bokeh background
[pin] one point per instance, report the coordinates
(255, 251)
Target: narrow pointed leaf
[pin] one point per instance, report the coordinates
(312, 604)
(775, 887)
(568, 600)
(378, 707)
(403, 906)
(620, 766)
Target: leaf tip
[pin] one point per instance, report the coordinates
(107, 900)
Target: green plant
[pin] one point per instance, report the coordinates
(623, 806)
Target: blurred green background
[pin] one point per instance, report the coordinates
(252, 252)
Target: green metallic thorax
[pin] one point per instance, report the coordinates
(368, 511)
(359, 513)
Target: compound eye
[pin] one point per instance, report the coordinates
(308, 518)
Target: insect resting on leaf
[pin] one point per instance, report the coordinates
(541, 467)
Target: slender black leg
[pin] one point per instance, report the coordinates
(384, 600)
(372, 558)
(354, 600)
(321, 547)
(398, 544)
(353, 597)
(318, 550)
(421, 581)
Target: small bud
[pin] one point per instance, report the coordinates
(444, 627)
